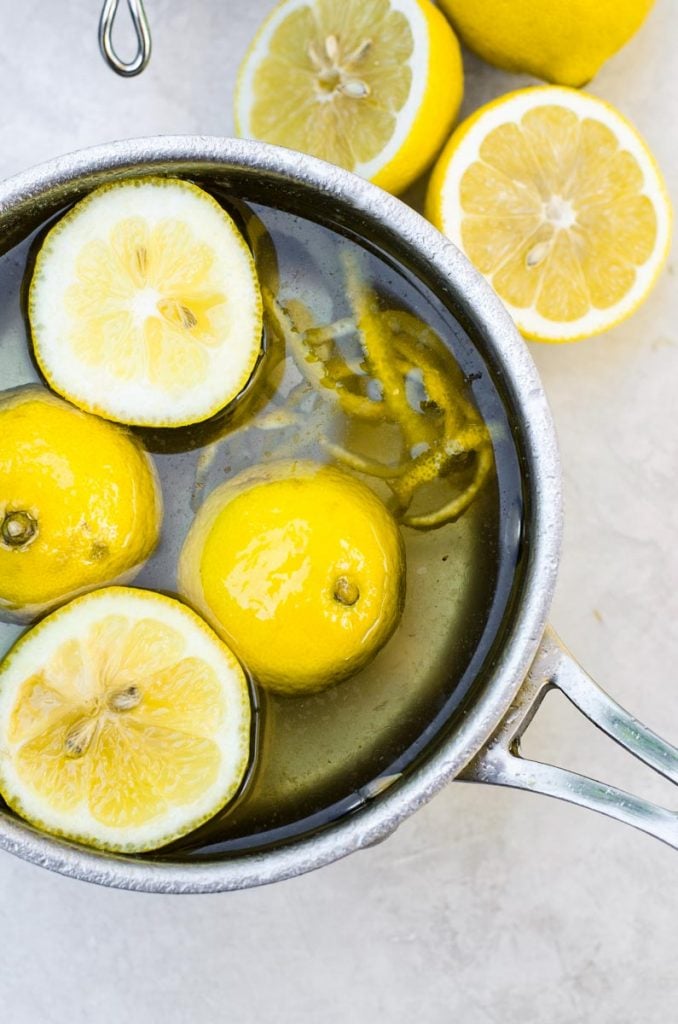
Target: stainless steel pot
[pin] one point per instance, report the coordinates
(485, 745)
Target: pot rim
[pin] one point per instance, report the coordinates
(26, 195)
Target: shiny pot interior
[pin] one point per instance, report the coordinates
(262, 174)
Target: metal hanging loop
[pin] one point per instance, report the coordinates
(143, 34)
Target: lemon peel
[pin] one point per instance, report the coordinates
(563, 43)
(301, 568)
(80, 502)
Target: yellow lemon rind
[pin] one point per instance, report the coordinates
(438, 110)
(306, 679)
(117, 567)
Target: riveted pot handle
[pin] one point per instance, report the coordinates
(500, 762)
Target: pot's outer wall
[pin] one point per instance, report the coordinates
(264, 172)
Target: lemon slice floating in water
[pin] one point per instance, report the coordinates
(144, 304)
(558, 201)
(124, 721)
(371, 85)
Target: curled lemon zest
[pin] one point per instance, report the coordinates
(329, 377)
(438, 436)
(450, 512)
(376, 341)
(363, 464)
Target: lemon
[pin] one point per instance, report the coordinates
(144, 304)
(558, 201)
(562, 42)
(371, 85)
(124, 721)
(80, 504)
(300, 568)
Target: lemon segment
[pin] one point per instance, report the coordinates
(371, 85)
(300, 568)
(144, 304)
(556, 199)
(80, 502)
(124, 721)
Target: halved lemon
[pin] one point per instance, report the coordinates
(371, 85)
(144, 304)
(558, 201)
(124, 721)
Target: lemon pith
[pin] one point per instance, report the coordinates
(124, 721)
(374, 86)
(144, 304)
(558, 202)
(80, 503)
(300, 568)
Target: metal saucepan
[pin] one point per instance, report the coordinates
(484, 743)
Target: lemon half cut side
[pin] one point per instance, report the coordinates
(124, 721)
(558, 201)
(371, 85)
(144, 304)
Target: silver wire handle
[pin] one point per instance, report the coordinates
(143, 34)
(501, 764)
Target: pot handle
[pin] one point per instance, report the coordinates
(499, 762)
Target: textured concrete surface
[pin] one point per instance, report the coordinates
(487, 906)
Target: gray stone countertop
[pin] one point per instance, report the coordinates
(487, 906)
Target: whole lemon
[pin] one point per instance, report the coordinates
(80, 504)
(300, 568)
(561, 41)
